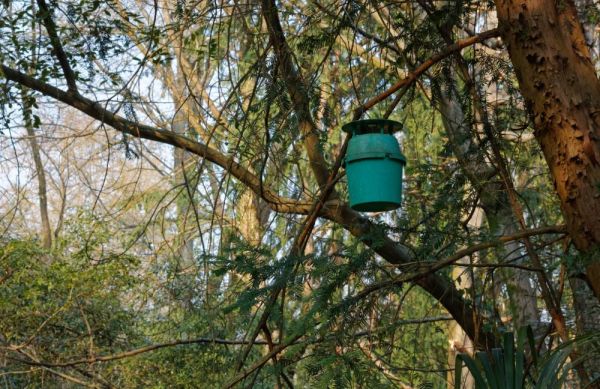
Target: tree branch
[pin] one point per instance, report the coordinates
(561, 229)
(297, 89)
(137, 351)
(427, 269)
(63, 60)
(358, 225)
(346, 19)
(138, 130)
(276, 350)
(436, 285)
(412, 77)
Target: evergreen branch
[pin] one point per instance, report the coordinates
(298, 91)
(426, 274)
(348, 21)
(412, 77)
(261, 362)
(300, 242)
(560, 229)
(437, 286)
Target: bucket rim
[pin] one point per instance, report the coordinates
(359, 127)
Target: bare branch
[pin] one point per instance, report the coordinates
(141, 350)
(431, 268)
(276, 350)
(138, 130)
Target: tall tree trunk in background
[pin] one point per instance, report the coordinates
(587, 10)
(499, 217)
(483, 176)
(46, 230)
(458, 339)
(248, 217)
(562, 93)
(181, 160)
(494, 202)
(521, 294)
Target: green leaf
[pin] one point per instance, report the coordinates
(474, 369)
(499, 369)
(532, 348)
(519, 369)
(509, 360)
(490, 374)
(548, 377)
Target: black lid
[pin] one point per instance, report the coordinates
(372, 126)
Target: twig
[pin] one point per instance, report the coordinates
(137, 351)
(276, 350)
(412, 77)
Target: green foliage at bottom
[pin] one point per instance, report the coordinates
(507, 367)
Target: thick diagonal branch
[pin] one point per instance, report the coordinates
(138, 130)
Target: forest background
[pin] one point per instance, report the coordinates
(173, 205)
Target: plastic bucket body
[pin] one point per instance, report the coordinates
(374, 166)
(375, 185)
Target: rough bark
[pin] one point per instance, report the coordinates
(562, 92)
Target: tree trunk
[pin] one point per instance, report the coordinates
(494, 202)
(46, 230)
(182, 161)
(458, 340)
(562, 92)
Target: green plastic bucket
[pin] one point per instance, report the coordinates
(374, 165)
